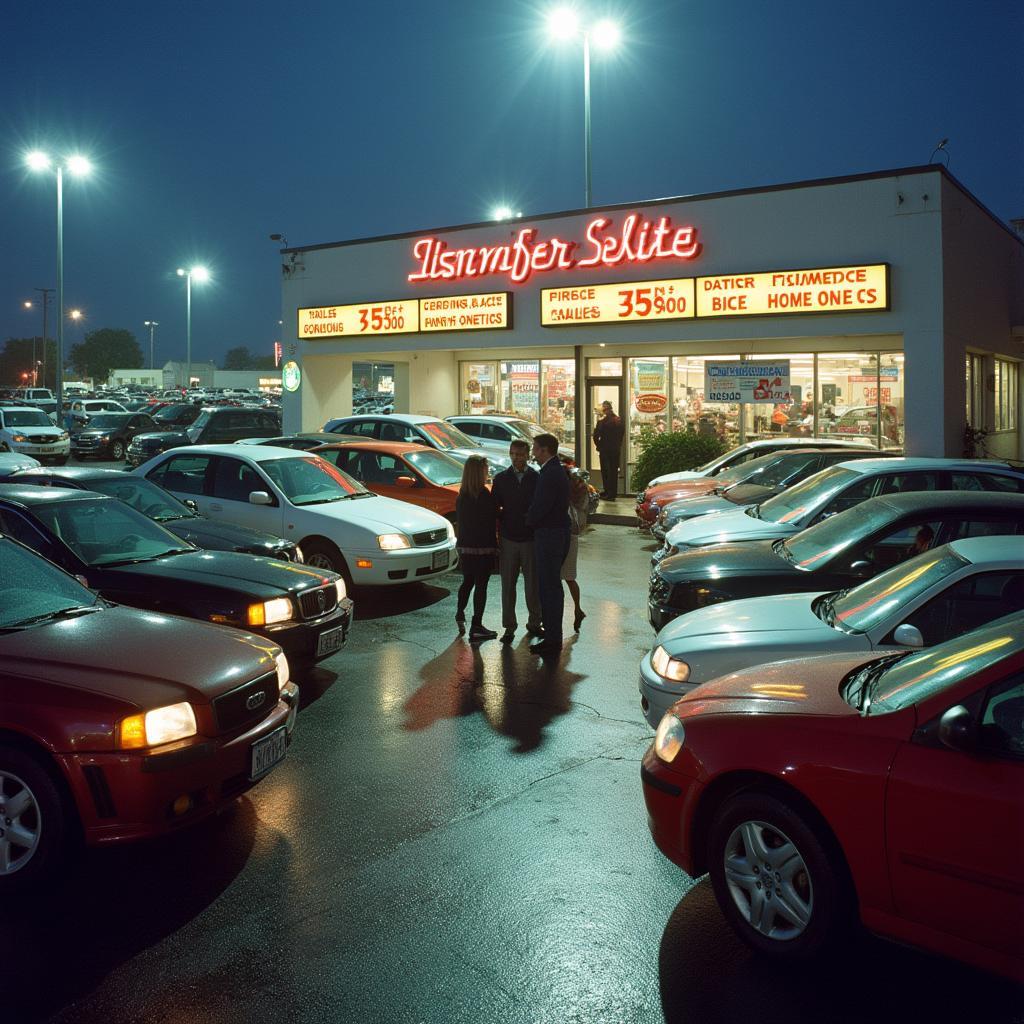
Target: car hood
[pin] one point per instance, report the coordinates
(493, 457)
(35, 431)
(142, 658)
(667, 478)
(96, 431)
(381, 515)
(690, 508)
(725, 528)
(166, 437)
(750, 559)
(202, 532)
(799, 686)
(664, 494)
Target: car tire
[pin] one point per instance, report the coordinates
(321, 554)
(779, 880)
(41, 818)
(117, 451)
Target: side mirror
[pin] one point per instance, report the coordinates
(260, 498)
(861, 567)
(81, 579)
(955, 728)
(191, 503)
(405, 481)
(908, 636)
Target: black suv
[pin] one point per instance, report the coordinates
(212, 426)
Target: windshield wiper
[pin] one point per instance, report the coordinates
(326, 501)
(754, 511)
(63, 613)
(144, 558)
(858, 690)
(780, 547)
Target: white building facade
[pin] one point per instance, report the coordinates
(889, 305)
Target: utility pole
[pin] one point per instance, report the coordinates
(152, 325)
(46, 307)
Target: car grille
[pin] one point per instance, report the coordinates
(660, 589)
(87, 442)
(46, 439)
(232, 710)
(422, 540)
(320, 601)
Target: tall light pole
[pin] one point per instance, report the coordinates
(200, 274)
(564, 23)
(77, 166)
(152, 325)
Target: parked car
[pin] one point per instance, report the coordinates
(862, 420)
(38, 398)
(28, 431)
(164, 508)
(884, 788)
(302, 442)
(108, 435)
(836, 489)
(406, 472)
(81, 410)
(178, 415)
(838, 552)
(338, 523)
(752, 450)
(934, 596)
(128, 558)
(117, 724)
(11, 462)
(425, 430)
(745, 484)
(498, 432)
(211, 426)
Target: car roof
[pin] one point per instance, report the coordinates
(487, 416)
(390, 447)
(21, 408)
(253, 452)
(995, 550)
(905, 462)
(29, 496)
(398, 417)
(940, 501)
(69, 473)
(785, 442)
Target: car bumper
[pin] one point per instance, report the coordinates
(658, 532)
(57, 450)
(136, 458)
(128, 795)
(101, 450)
(410, 565)
(302, 641)
(670, 799)
(656, 695)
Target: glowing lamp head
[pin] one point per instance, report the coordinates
(37, 160)
(79, 166)
(28, 305)
(606, 35)
(502, 213)
(563, 23)
(200, 274)
(75, 314)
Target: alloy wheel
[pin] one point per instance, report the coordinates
(20, 823)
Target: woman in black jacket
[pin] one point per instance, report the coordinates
(477, 543)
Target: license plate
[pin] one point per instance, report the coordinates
(330, 641)
(265, 753)
(440, 560)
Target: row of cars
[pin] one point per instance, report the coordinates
(837, 685)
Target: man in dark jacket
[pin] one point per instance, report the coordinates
(608, 440)
(513, 490)
(548, 515)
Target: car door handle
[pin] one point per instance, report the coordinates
(216, 508)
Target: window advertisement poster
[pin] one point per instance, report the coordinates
(524, 388)
(748, 382)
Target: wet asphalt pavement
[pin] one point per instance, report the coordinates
(456, 835)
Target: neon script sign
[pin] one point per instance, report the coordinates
(638, 241)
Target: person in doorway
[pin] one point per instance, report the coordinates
(579, 494)
(513, 490)
(477, 543)
(608, 440)
(548, 516)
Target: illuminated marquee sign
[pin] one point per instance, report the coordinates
(617, 303)
(638, 240)
(487, 312)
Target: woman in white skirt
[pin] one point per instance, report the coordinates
(578, 499)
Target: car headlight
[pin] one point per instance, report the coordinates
(266, 613)
(64, 435)
(393, 541)
(152, 728)
(19, 438)
(105, 438)
(451, 531)
(339, 586)
(299, 556)
(668, 740)
(283, 671)
(668, 667)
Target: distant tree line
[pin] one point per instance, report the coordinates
(241, 358)
(98, 353)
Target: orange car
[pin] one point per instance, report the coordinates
(409, 472)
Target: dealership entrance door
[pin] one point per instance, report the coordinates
(604, 389)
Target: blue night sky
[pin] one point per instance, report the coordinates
(215, 123)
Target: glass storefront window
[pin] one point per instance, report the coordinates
(373, 387)
(796, 418)
(647, 397)
(974, 367)
(861, 394)
(558, 399)
(479, 390)
(604, 367)
(520, 389)
(691, 412)
(1005, 395)
(890, 398)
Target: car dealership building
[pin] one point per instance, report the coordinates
(888, 305)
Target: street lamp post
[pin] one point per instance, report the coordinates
(201, 274)
(564, 24)
(152, 325)
(79, 167)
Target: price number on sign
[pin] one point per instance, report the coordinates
(660, 300)
(381, 318)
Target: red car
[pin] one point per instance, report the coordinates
(888, 787)
(117, 724)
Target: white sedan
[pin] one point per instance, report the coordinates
(934, 596)
(337, 523)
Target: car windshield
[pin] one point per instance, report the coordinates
(754, 468)
(310, 480)
(104, 532)
(33, 590)
(109, 420)
(202, 419)
(806, 496)
(143, 495)
(526, 429)
(171, 412)
(823, 541)
(723, 462)
(922, 674)
(445, 436)
(26, 418)
(437, 468)
(863, 607)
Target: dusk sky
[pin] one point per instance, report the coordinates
(213, 124)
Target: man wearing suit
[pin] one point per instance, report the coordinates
(548, 515)
(608, 439)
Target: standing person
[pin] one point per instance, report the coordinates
(477, 544)
(513, 490)
(608, 439)
(548, 515)
(579, 495)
